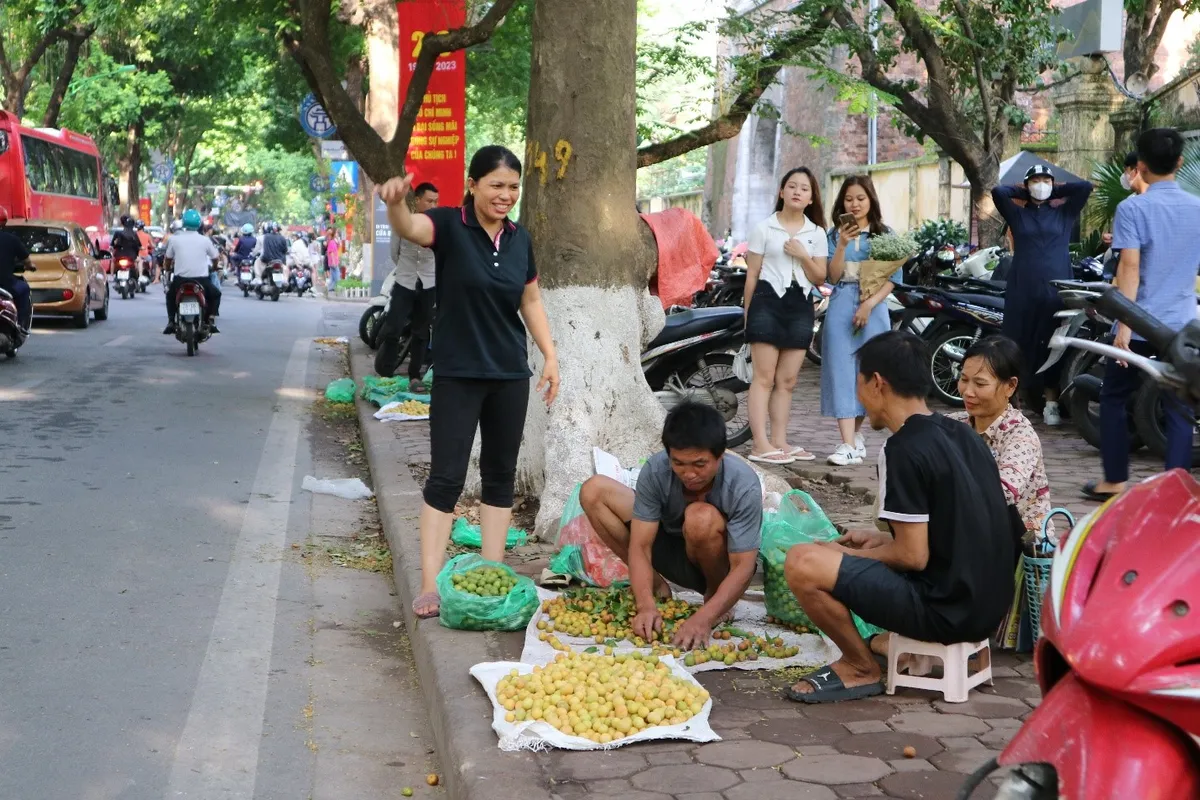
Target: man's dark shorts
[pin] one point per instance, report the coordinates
(888, 599)
(668, 556)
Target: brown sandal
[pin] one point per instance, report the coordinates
(425, 601)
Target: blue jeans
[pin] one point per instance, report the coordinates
(1119, 385)
(20, 292)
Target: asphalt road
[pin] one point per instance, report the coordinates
(159, 635)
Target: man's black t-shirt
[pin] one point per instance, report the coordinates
(939, 471)
(12, 252)
(274, 248)
(478, 332)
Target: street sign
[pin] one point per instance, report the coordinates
(334, 150)
(318, 184)
(344, 175)
(164, 171)
(314, 119)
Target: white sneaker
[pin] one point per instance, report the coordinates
(1050, 415)
(860, 445)
(845, 456)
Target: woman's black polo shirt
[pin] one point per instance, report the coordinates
(478, 332)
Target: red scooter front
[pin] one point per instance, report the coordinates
(1102, 747)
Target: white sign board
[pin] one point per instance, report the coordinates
(334, 150)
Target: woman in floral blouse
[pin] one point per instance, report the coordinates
(988, 383)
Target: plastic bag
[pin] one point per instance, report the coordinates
(349, 488)
(800, 520)
(468, 612)
(340, 391)
(741, 365)
(465, 534)
(382, 391)
(600, 565)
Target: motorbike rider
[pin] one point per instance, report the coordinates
(274, 248)
(147, 248)
(244, 246)
(126, 244)
(14, 258)
(192, 256)
(413, 295)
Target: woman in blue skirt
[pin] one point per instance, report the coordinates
(850, 319)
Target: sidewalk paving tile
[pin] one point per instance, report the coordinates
(933, 724)
(744, 755)
(836, 769)
(782, 790)
(983, 706)
(855, 790)
(964, 761)
(798, 732)
(684, 779)
(923, 785)
(889, 745)
(910, 764)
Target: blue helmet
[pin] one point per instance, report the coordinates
(191, 219)
(247, 229)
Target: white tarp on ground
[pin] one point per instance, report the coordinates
(538, 735)
(815, 651)
(389, 413)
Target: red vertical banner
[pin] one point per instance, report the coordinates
(437, 150)
(144, 212)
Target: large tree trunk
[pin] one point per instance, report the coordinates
(131, 164)
(593, 252)
(983, 176)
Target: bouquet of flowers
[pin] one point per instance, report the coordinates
(889, 251)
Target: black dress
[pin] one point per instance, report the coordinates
(1041, 237)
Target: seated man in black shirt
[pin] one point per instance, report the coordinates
(944, 574)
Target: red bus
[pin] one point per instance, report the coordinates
(54, 175)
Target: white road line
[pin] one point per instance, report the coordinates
(117, 342)
(21, 391)
(217, 756)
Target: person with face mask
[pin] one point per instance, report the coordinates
(1131, 181)
(1041, 217)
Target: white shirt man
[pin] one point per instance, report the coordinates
(192, 253)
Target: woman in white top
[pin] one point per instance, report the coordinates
(786, 259)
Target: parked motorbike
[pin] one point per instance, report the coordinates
(1118, 656)
(692, 359)
(191, 317)
(300, 280)
(959, 312)
(12, 335)
(376, 311)
(274, 282)
(123, 281)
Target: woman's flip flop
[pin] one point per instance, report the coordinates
(828, 688)
(777, 458)
(425, 601)
(800, 454)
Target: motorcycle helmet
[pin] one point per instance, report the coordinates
(141, 226)
(247, 229)
(3, 216)
(176, 226)
(191, 219)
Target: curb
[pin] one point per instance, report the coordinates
(473, 767)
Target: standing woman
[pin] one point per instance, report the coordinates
(1041, 217)
(786, 259)
(850, 319)
(487, 284)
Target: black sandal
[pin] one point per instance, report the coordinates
(1089, 493)
(828, 688)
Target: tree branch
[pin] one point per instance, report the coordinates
(985, 89)
(75, 41)
(380, 160)
(434, 46)
(730, 123)
(1166, 10)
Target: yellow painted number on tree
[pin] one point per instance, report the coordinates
(418, 38)
(562, 152)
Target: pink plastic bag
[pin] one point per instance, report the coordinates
(601, 565)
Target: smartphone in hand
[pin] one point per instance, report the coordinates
(846, 220)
